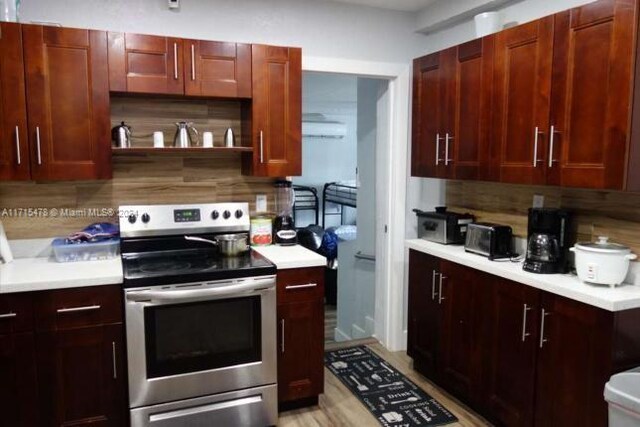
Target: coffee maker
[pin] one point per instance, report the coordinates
(548, 241)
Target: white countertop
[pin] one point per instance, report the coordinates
(286, 257)
(567, 285)
(43, 273)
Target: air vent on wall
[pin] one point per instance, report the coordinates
(317, 126)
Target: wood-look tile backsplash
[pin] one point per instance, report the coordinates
(598, 213)
(137, 179)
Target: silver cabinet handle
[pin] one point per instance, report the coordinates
(535, 147)
(175, 61)
(193, 62)
(38, 145)
(282, 335)
(433, 286)
(76, 309)
(447, 160)
(525, 334)
(440, 297)
(18, 145)
(542, 338)
(308, 285)
(113, 357)
(8, 315)
(261, 147)
(552, 133)
(438, 139)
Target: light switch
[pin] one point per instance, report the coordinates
(538, 201)
(261, 203)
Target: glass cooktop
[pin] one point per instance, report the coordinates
(187, 266)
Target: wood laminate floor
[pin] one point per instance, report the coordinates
(330, 323)
(339, 407)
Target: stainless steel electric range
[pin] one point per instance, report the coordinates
(201, 327)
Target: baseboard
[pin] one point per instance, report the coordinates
(341, 336)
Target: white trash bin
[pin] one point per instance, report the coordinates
(622, 392)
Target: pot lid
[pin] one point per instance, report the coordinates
(603, 245)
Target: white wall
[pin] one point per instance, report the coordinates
(322, 29)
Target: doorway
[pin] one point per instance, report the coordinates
(344, 116)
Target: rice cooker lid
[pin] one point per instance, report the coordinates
(602, 245)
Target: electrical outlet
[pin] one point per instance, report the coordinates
(261, 203)
(538, 201)
(174, 4)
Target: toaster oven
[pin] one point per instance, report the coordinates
(448, 228)
(491, 240)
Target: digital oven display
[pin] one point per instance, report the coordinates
(186, 215)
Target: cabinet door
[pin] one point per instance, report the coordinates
(424, 312)
(277, 111)
(217, 69)
(145, 64)
(14, 147)
(82, 376)
(459, 363)
(428, 135)
(592, 85)
(471, 84)
(68, 108)
(300, 350)
(18, 394)
(509, 380)
(523, 56)
(574, 363)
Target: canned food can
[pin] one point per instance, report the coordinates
(261, 230)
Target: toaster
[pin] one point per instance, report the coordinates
(448, 228)
(491, 240)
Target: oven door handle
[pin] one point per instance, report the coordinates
(194, 294)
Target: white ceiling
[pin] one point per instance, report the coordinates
(401, 5)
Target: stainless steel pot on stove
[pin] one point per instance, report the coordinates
(229, 245)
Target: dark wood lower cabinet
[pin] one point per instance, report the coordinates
(19, 390)
(518, 355)
(300, 336)
(82, 368)
(63, 372)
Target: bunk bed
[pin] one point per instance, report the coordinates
(341, 194)
(305, 199)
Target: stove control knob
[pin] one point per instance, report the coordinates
(226, 215)
(145, 218)
(239, 214)
(132, 218)
(215, 215)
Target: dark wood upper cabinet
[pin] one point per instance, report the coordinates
(68, 103)
(423, 329)
(428, 137)
(217, 69)
(469, 110)
(593, 66)
(523, 57)
(145, 64)
(14, 143)
(512, 344)
(276, 119)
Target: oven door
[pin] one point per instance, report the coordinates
(193, 340)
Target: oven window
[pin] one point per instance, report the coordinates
(199, 336)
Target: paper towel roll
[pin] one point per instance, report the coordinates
(5, 250)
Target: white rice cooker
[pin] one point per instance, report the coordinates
(602, 262)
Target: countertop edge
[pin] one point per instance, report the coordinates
(529, 279)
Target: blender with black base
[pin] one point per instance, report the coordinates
(284, 230)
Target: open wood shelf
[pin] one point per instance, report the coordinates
(175, 150)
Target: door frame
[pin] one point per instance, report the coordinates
(390, 252)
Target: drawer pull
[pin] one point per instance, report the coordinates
(8, 315)
(75, 309)
(308, 285)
